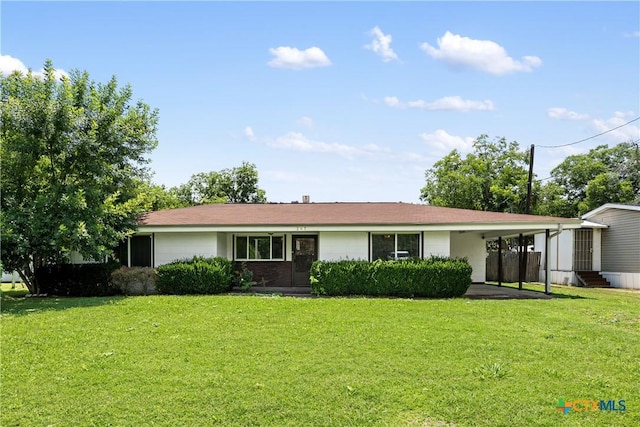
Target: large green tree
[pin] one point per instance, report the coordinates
(157, 197)
(585, 181)
(491, 178)
(235, 185)
(73, 152)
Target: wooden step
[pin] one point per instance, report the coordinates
(593, 279)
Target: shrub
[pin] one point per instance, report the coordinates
(77, 280)
(196, 276)
(135, 280)
(244, 277)
(433, 278)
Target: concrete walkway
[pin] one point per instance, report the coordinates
(476, 291)
(483, 291)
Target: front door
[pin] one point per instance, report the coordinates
(582, 249)
(305, 252)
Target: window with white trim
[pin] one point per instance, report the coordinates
(259, 248)
(395, 245)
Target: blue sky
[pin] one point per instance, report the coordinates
(347, 101)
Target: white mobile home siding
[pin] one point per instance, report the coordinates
(560, 257)
(172, 246)
(621, 241)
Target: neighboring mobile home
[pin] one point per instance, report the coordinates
(608, 243)
(279, 241)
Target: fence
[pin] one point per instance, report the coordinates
(510, 267)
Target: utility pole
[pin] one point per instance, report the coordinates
(530, 181)
(527, 210)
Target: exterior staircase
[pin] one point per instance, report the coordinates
(592, 279)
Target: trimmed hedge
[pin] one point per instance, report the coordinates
(77, 280)
(436, 277)
(196, 276)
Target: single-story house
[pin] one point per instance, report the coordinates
(606, 245)
(280, 241)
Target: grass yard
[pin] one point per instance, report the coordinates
(249, 360)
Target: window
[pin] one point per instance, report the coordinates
(395, 246)
(260, 247)
(140, 247)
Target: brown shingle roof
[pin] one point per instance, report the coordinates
(330, 214)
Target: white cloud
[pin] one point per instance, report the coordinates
(375, 148)
(248, 133)
(443, 142)
(298, 142)
(564, 114)
(306, 122)
(483, 55)
(381, 44)
(634, 34)
(9, 64)
(287, 176)
(393, 101)
(295, 59)
(630, 132)
(448, 103)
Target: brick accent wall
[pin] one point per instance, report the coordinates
(274, 273)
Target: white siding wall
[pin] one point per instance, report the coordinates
(224, 246)
(560, 277)
(597, 249)
(343, 245)
(621, 241)
(562, 251)
(11, 277)
(436, 243)
(76, 258)
(172, 246)
(473, 247)
(561, 259)
(623, 280)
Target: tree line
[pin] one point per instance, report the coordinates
(494, 178)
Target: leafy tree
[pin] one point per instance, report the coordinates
(492, 178)
(157, 197)
(73, 152)
(236, 185)
(606, 188)
(585, 181)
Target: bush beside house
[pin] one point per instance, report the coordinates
(431, 278)
(135, 280)
(196, 276)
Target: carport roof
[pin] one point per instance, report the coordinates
(372, 213)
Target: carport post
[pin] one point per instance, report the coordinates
(520, 258)
(499, 260)
(547, 267)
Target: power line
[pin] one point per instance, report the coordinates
(618, 171)
(591, 137)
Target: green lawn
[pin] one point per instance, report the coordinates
(248, 360)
